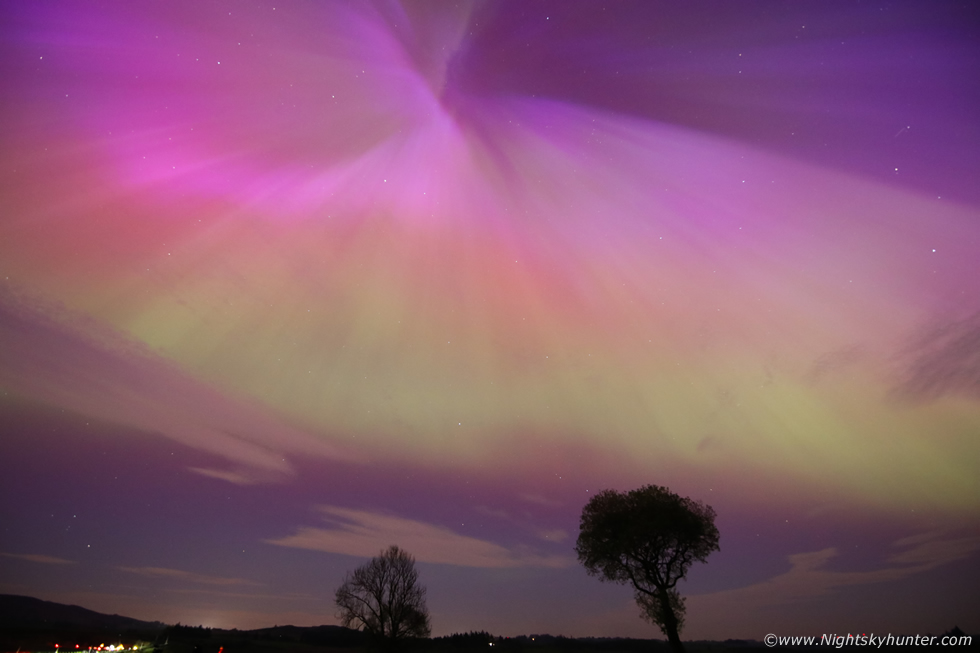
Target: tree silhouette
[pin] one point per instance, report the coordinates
(647, 537)
(384, 598)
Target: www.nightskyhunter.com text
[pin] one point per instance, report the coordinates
(865, 639)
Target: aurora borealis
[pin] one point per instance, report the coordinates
(283, 284)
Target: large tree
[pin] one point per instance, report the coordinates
(648, 538)
(384, 598)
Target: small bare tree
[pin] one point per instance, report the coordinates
(384, 599)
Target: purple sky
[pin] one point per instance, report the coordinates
(281, 285)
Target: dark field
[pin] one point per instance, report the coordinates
(32, 625)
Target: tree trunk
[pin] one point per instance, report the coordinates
(670, 623)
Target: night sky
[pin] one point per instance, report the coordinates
(284, 284)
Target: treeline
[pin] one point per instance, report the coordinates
(179, 630)
(484, 641)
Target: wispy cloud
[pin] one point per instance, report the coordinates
(37, 557)
(243, 476)
(186, 576)
(526, 522)
(834, 362)
(362, 533)
(943, 360)
(68, 360)
(540, 500)
(809, 576)
(552, 535)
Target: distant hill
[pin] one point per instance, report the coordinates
(28, 613)
(27, 623)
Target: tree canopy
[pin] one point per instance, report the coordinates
(384, 598)
(647, 537)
